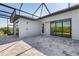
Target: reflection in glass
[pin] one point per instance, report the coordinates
(53, 31)
(59, 28)
(66, 28)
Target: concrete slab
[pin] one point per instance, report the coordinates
(6, 46)
(32, 52)
(17, 48)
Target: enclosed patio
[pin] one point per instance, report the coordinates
(39, 29)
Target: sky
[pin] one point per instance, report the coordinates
(31, 7)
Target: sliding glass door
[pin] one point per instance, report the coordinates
(61, 28)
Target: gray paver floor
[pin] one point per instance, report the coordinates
(54, 46)
(38, 46)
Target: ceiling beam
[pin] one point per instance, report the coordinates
(41, 10)
(5, 12)
(4, 15)
(20, 7)
(37, 9)
(46, 8)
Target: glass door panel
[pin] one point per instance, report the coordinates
(53, 30)
(66, 28)
(59, 28)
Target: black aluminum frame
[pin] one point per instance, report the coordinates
(41, 5)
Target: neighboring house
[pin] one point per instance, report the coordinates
(64, 23)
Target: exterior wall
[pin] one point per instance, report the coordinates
(71, 14)
(29, 28)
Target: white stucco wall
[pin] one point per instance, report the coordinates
(29, 28)
(71, 14)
